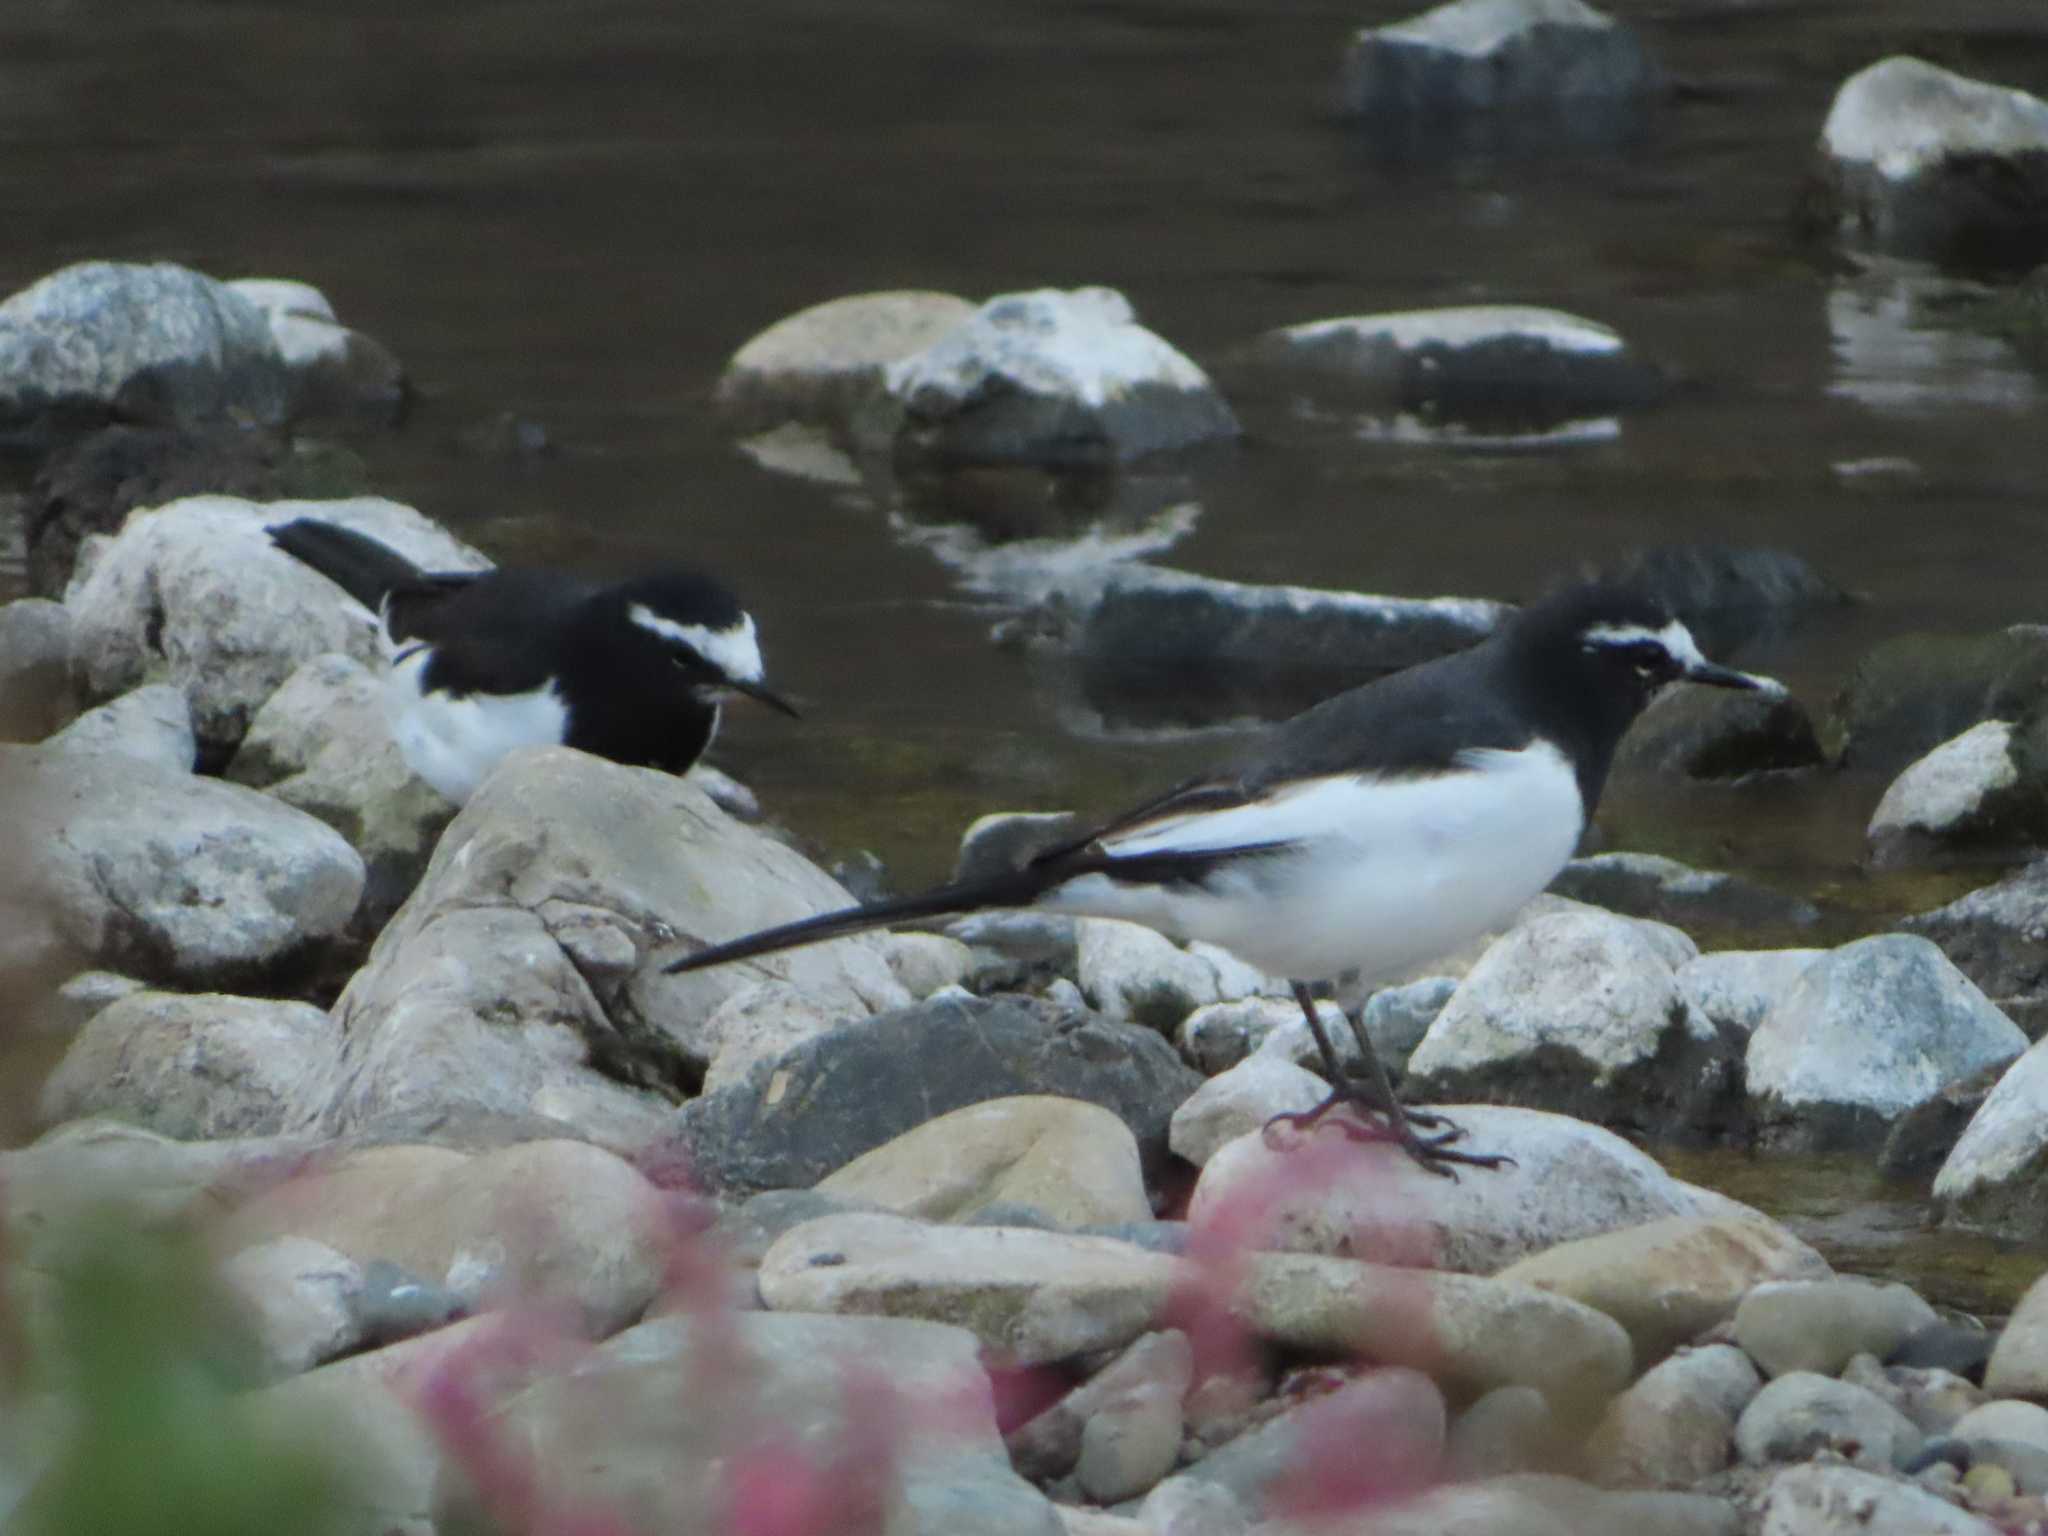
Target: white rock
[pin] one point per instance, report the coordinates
(193, 593)
(1129, 971)
(284, 296)
(1939, 795)
(824, 362)
(152, 723)
(1833, 1500)
(927, 962)
(1868, 1032)
(1992, 1177)
(1734, 988)
(1905, 117)
(758, 1023)
(1494, 55)
(1238, 1102)
(1801, 1413)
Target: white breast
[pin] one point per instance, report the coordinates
(453, 743)
(1387, 872)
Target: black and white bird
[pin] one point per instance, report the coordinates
(484, 662)
(1380, 828)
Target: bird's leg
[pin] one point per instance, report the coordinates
(1432, 1152)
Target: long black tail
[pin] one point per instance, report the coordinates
(365, 569)
(1008, 890)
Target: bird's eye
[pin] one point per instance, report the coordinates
(1649, 660)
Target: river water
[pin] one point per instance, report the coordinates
(574, 214)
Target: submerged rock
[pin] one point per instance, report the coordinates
(1913, 692)
(1649, 885)
(1920, 161)
(1714, 733)
(1055, 378)
(1434, 70)
(1868, 1032)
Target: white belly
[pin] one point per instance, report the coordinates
(1388, 872)
(453, 743)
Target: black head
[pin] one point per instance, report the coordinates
(695, 627)
(1591, 656)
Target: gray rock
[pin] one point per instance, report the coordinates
(624, 1430)
(827, 364)
(1580, 1012)
(1161, 646)
(194, 594)
(1947, 1347)
(36, 691)
(1239, 1101)
(322, 743)
(1535, 1504)
(1997, 936)
(1492, 56)
(1130, 972)
(391, 1304)
(746, 1231)
(1006, 840)
(1218, 1037)
(1510, 1429)
(927, 962)
(1016, 951)
(1802, 1413)
(2010, 1419)
(1649, 885)
(758, 1023)
(1922, 162)
(1129, 1445)
(158, 343)
(550, 862)
(1048, 1444)
(334, 371)
(795, 1120)
(2019, 1362)
(1051, 377)
(1986, 788)
(160, 875)
(1819, 1325)
(1868, 1032)
(85, 995)
(1676, 1424)
(152, 723)
(1490, 364)
(299, 1300)
(1711, 733)
(1992, 1178)
(1834, 1500)
(1935, 1400)
(1396, 1019)
(1569, 1180)
(1730, 592)
(1734, 989)
(199, 1068)
(1911, 693)
(1920, 1140)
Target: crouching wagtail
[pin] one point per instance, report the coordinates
(1382, 827)
(484, 662)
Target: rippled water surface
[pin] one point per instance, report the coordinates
(574, 213)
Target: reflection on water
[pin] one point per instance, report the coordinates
(1897, 351)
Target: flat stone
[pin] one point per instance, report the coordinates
(1326, 1194)
(1669, 1281)
(1031, 1297)
(1818, 1325)
(1076, 1162)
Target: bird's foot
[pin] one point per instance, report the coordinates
(1397, 1125)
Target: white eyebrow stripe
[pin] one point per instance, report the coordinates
(735, 651)
(1674, 637)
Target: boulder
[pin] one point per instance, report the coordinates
(194, 594)
(160, 875)
(1734, 989)
(1160, 646)
(156, 343)
(1987, 788)
(322, 743)
(817, 1108)
(1666, 891)
(334, 371)
(36, 692)
(1802, 1413)
(1997, 936)
(1326, 1194)
(1920, 161)
(1497, 365)
(1834, 1500)
(1911, 693)
(545, 1223)
(1669, 1281)
(1075, 1163)
(1558, 58)
(1031, 1297)
(827, 364)
(805, 1413)
(152, 723)
(1055, 378)
(523, 977)
(1580, 1012)
(1676, 1425)
(1713, 733)
(1820, 1325)
(1867, 1033)
(198, 1068)
(1992, 1178)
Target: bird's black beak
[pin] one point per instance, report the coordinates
(1727, 677)
(757, 692)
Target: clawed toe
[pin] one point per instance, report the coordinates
(1433, 1152)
